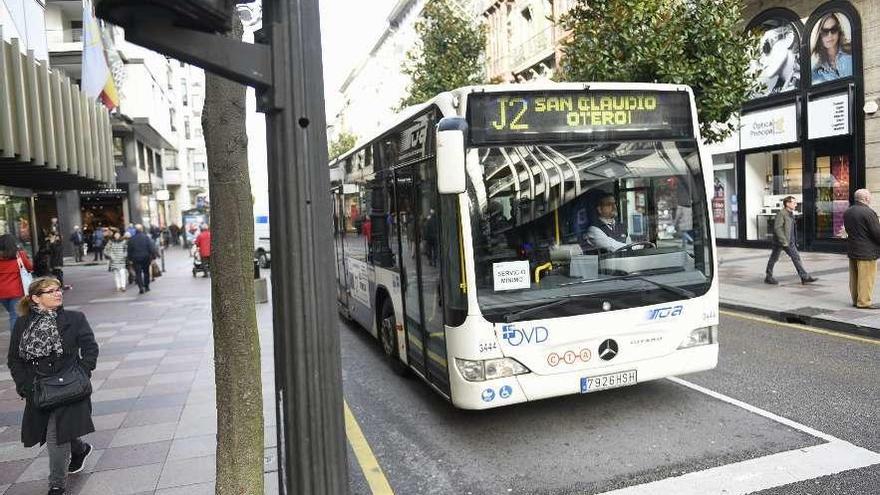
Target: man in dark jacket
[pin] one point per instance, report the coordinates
(77, 239)
(141, 252)
(785, 239)
(863, 249)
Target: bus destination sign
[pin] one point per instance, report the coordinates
(496, 118)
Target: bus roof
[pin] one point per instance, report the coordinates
(452, 103)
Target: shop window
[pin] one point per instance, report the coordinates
(724, 197)
(778, 64)
(15, 219)
(770, 177)
(831, 48)
(832, 195)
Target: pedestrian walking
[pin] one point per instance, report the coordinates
(785, 239)
(98, 243)
(117, 252)
(48, 340)
(141, 252)
(175, 234)
(203, 243)
(862, 248)
(12, 258)
(77, 239)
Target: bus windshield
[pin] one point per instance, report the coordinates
(587, 227)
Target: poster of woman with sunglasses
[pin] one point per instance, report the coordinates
(778, 65)
(831, 48)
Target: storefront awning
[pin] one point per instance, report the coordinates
(51, 135)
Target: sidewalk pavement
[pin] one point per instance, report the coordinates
(825, 304)
(153, 404)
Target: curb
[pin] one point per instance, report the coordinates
(804, 319)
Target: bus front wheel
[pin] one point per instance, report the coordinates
(388, 337)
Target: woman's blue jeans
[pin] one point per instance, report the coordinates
(9, 304)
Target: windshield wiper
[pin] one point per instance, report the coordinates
(671, 288)
(555, 302)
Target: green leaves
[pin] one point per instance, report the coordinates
(343, 142)
(695, 42)
(448, 55)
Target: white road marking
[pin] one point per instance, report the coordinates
(763, 472)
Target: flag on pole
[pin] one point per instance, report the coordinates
(97, 81)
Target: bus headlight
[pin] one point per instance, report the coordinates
(489, 369)
(700, 336)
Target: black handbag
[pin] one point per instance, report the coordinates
(65, 387)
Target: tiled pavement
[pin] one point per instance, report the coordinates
(153, 401)
(825, 303)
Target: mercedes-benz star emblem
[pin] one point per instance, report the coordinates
(607, 350)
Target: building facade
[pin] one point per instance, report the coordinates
(374, 89)
(523, 38)
(158, 149)
(53, 139)
(812, 130)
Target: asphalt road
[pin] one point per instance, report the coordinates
(799, 392)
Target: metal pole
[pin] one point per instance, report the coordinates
(308, 383)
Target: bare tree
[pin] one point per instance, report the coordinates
(236, 341)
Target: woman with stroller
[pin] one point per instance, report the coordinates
(117, 252)
(11, 289)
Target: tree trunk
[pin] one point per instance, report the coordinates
(236, 341)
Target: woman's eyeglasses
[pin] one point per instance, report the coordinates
(50, 291)
(829, 31)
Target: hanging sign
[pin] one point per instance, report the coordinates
(828, 116)
(768, 127)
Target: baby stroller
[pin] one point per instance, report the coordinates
(198, 264)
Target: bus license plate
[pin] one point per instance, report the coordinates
(604, 382)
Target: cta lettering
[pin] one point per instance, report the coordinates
(518, 336)
(667, 312)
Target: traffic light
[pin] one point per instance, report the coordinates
(202, 15)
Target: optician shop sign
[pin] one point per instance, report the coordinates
(829, 116)
(768, 127)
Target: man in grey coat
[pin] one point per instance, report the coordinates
(785, 239)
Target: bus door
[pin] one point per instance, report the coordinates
(408, 212)
(337, 198)
(433, 222)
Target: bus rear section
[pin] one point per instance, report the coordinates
(587, 241)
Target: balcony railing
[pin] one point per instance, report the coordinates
(535, 48)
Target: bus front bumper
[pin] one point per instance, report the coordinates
(531, 386)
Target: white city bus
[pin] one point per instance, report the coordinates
(517, 242)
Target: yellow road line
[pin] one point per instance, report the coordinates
(369, 465)
(866, 340)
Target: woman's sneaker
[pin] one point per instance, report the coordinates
(78, 461)
(56, 491)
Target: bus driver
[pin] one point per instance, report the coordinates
(605, 231)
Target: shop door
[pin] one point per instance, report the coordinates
(832, 166)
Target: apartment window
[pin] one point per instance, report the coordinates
(198, 131)
(151, 164)
(173, 115)
(183, 90)
(159, 170)
(118, 152)
(142, 156)
(76, 31)
(186, 128)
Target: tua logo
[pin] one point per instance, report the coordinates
(667, 312)
(516, 336)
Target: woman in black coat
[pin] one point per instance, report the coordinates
(47, 337)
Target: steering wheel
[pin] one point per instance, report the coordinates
(631, 246)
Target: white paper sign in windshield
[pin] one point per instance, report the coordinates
(511, 275)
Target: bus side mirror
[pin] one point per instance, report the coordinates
(451, 177)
